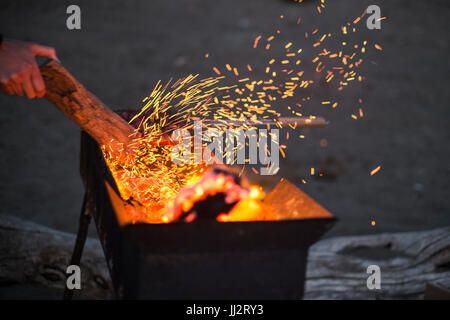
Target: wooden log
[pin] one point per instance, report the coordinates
(84, 108)
(34, 256)
(408, 261)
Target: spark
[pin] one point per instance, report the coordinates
(256, 41)
(151, 181)
(375, 170)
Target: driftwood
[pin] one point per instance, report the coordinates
(408, 262)
(82, 107)
(33, 254)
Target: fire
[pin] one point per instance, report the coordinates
(248, 209)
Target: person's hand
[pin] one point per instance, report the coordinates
(19, 72)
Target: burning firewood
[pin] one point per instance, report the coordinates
(84, 108)
(217, 192)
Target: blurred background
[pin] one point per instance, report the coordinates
(124, 48)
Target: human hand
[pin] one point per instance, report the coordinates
(19, 72)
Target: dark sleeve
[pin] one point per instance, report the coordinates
(1, 38)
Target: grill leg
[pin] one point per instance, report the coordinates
(85, 219)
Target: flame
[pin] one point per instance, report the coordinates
(249, 209)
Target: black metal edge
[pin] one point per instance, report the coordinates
(121, 255)
(213, 236)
